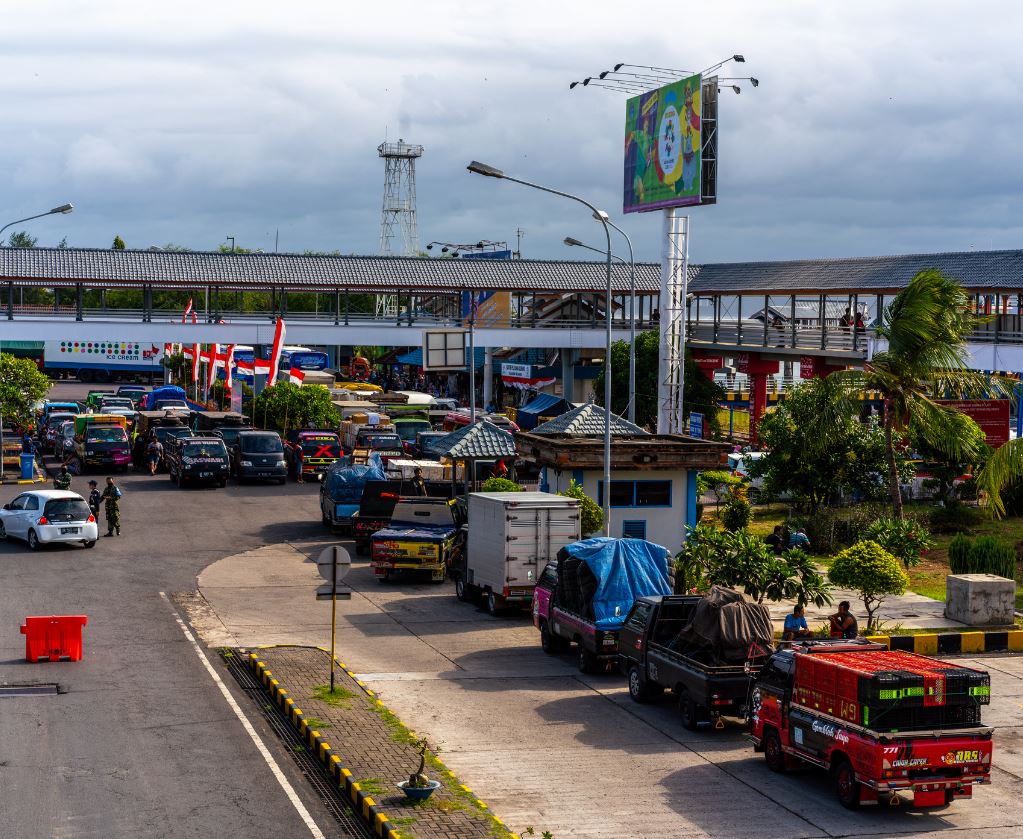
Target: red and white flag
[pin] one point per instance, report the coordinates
(275, 355)
(196, 356)
(212, 372)
(261, 367)
(246, 367)
(228, 365)
(296, 376)
(190, 310)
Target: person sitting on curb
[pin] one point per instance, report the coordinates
(799, 539)
(843, 622)
(795, 626)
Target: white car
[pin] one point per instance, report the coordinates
(43, 516)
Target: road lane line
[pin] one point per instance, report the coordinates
(278, 773)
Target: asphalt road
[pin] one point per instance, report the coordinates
(141, 743)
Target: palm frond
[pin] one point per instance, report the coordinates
(1003, 469)
(947, 430)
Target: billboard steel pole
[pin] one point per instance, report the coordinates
(671, 357)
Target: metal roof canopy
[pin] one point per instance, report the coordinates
(628, 451)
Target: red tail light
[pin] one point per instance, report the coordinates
(43, 520)
(389, 495)
(92, 518)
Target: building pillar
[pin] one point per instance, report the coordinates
(488, 377)
(567, 375)
(757, 369)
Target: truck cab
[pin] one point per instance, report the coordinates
(259, 455)
(424, 536)
(312, 451)
(101, 441)
(879, 720)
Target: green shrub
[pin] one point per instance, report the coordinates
(959, 554)
(954, 518)
(496, 484)
(904, 538)
(991, 555)
(592, 517)
(872, 572)
(736, 514)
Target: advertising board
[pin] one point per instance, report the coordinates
(664, 147)
(492, 308)
(992, 415)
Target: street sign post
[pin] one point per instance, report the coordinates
(333, 563)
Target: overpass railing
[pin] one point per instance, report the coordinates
(752, 334)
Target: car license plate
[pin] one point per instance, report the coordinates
(65, 530)
(205, 474)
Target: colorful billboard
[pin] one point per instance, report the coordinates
(663, 142)
(492, 308)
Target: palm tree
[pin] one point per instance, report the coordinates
(1003, 469)
(925, 330)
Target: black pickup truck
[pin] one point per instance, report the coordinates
(377, 504)
(657, 654)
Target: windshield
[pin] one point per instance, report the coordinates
(165, 431)
(408, 430)
(320, 447)
(263, 444)
(57, 420)
(382, 441)
(309, 360)
(106, 435)
(205, 449)
(163, 404)
(66, 509)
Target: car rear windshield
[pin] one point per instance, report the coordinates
(66, 509)
(204, 450)
(409, 429)
(106, 435)
(263, 444)
(382, 441)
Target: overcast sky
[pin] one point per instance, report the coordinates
(878, 127)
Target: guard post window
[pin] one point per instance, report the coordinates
(637, 493)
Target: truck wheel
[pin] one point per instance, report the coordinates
(687, 711)
(548, 640)
(773, 755)
(462, 590)
(639, 688)
(586, 661)
(170, 475)
(324, 518)
(847, 786)
(222, 483)
(493, 604)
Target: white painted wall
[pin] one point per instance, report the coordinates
(665, 525)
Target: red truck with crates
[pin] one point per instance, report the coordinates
(880, 720)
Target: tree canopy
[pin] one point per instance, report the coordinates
(21, 386)
(286, 407)
(21, 239)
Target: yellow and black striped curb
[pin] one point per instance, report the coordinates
(363, 803)
(939, 643)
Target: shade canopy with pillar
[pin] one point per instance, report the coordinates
(481, 440)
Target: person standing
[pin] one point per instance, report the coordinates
(418, 484)
(62, 480)
(154, 453)
(111, 507)
(94, 499)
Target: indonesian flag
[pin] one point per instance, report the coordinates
(261, 367)
(245, 367)
(228, 365)
(189, 310)
(212, 372)
(275, 355)
(196, 355)
(296, 376)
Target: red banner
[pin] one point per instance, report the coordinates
(709, 363)
(992, 415)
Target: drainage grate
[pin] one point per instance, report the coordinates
(325, 787)
(36, 689)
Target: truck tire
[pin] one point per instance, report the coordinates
(462, 590)
(494, 604)
(639, 688)
(773, 755)
(549, 642)
(585, 660)
(222, 483)
(688, 711)
(846, 785)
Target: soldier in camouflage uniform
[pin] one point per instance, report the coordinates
(111, 496)
(62, 480)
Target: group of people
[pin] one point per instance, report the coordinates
(110, 498)
(779, 544)
(842, 624)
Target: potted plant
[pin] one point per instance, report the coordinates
(419, 787)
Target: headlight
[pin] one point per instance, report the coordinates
(282, 462)
(89, 452)
(246, 463)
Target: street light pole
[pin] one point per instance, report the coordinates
(63, 209)
(632, 323)
(491, 172)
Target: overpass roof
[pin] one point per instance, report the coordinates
(981, 270)
(193, 269)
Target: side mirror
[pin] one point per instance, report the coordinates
(7, 506)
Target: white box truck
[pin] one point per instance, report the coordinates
(512, 536)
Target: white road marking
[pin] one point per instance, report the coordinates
(289, 790)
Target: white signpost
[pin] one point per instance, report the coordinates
(333, 563)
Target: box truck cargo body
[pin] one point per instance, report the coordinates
(512, 536)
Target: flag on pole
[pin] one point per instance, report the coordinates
(261, 367)
(275, 355)
(212, 372)
(195, 363)
(296, 376)
(228, 364)
(246, 367)
(190, 310)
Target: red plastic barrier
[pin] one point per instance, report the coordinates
(53, 637)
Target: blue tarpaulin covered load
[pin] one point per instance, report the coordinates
(168, 392)
(545, 405)
(344, 484)
(601, 578)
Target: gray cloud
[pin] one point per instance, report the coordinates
(877, 127)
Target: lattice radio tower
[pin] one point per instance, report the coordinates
(399, 235)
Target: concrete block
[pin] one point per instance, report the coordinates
(980, 599)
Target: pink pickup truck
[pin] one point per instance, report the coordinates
(597, 648)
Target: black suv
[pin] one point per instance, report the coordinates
(197, 459)
(259, 454)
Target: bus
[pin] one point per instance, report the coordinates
(303, 358)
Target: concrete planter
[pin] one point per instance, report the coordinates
(980, 599)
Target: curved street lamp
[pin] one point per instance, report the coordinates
(63, 209)
(492, 172)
